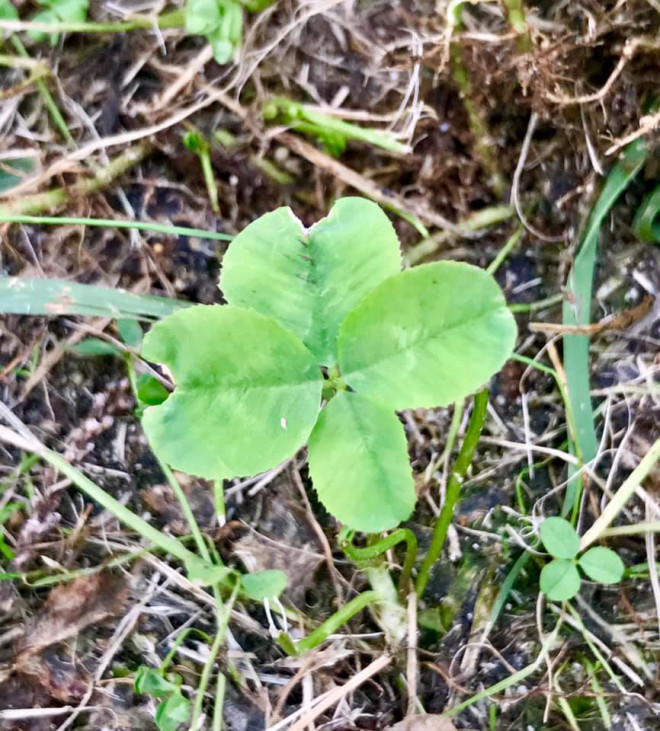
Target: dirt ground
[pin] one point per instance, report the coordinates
(493, 113)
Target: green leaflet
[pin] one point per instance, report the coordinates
(602, 565)
(264, 584)
(427, 337)
(358, 460)
(248, 392)
(221, 21)
(559, 538)
(58, 11)
(560, 579)
(172, 712)
(7, 12)
(310, 280)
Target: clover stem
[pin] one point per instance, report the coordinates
(330, 626)
(461, 466)
(223, 617)
(374, 550)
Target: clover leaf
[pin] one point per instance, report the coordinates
(602, 565)
(371, 485)
(264, 584)
(309, 280)
(324, 310)
(248, 391)
(560, 579)
(559, 538)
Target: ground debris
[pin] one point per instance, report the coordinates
(423, 722)
(70, 608)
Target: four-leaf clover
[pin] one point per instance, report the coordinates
(324, 314)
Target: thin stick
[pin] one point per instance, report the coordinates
(34, 204)
(411, 654)
(623, 494)
(515, 186)
(338, 693)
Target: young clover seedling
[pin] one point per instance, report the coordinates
(173, 708)
(560, 579)
(323, 340)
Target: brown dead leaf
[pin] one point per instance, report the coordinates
(423, 722)
(69, 609)
(62, 677)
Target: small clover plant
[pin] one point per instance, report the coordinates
(323, 340)
(173, 707)
(221, 21)
(560, 579)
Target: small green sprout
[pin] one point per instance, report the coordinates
(195, 141)
(325, 310)
(331, 132)
(560, 579)
(174, 707)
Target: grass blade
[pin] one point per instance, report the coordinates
(164, 228)
(51, 297)
(577, 306)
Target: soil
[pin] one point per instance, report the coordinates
(386, 64)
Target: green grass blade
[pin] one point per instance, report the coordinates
(577, 306)
(51, 297)
(164, 228)
(647, 220)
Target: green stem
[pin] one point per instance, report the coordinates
(555, 299)
(312, 121)
(181, 638)
(219, 705)
(475, 222)
(507, 586)
(330, 626)
(33, 204)
(454, 489)
(219, 496)
(209, 180)
(173, 19)
(223, 621)
(371, 552)
(516, 17)
(164, 228)
(186, 510)
(51, 106)
(505, 251)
